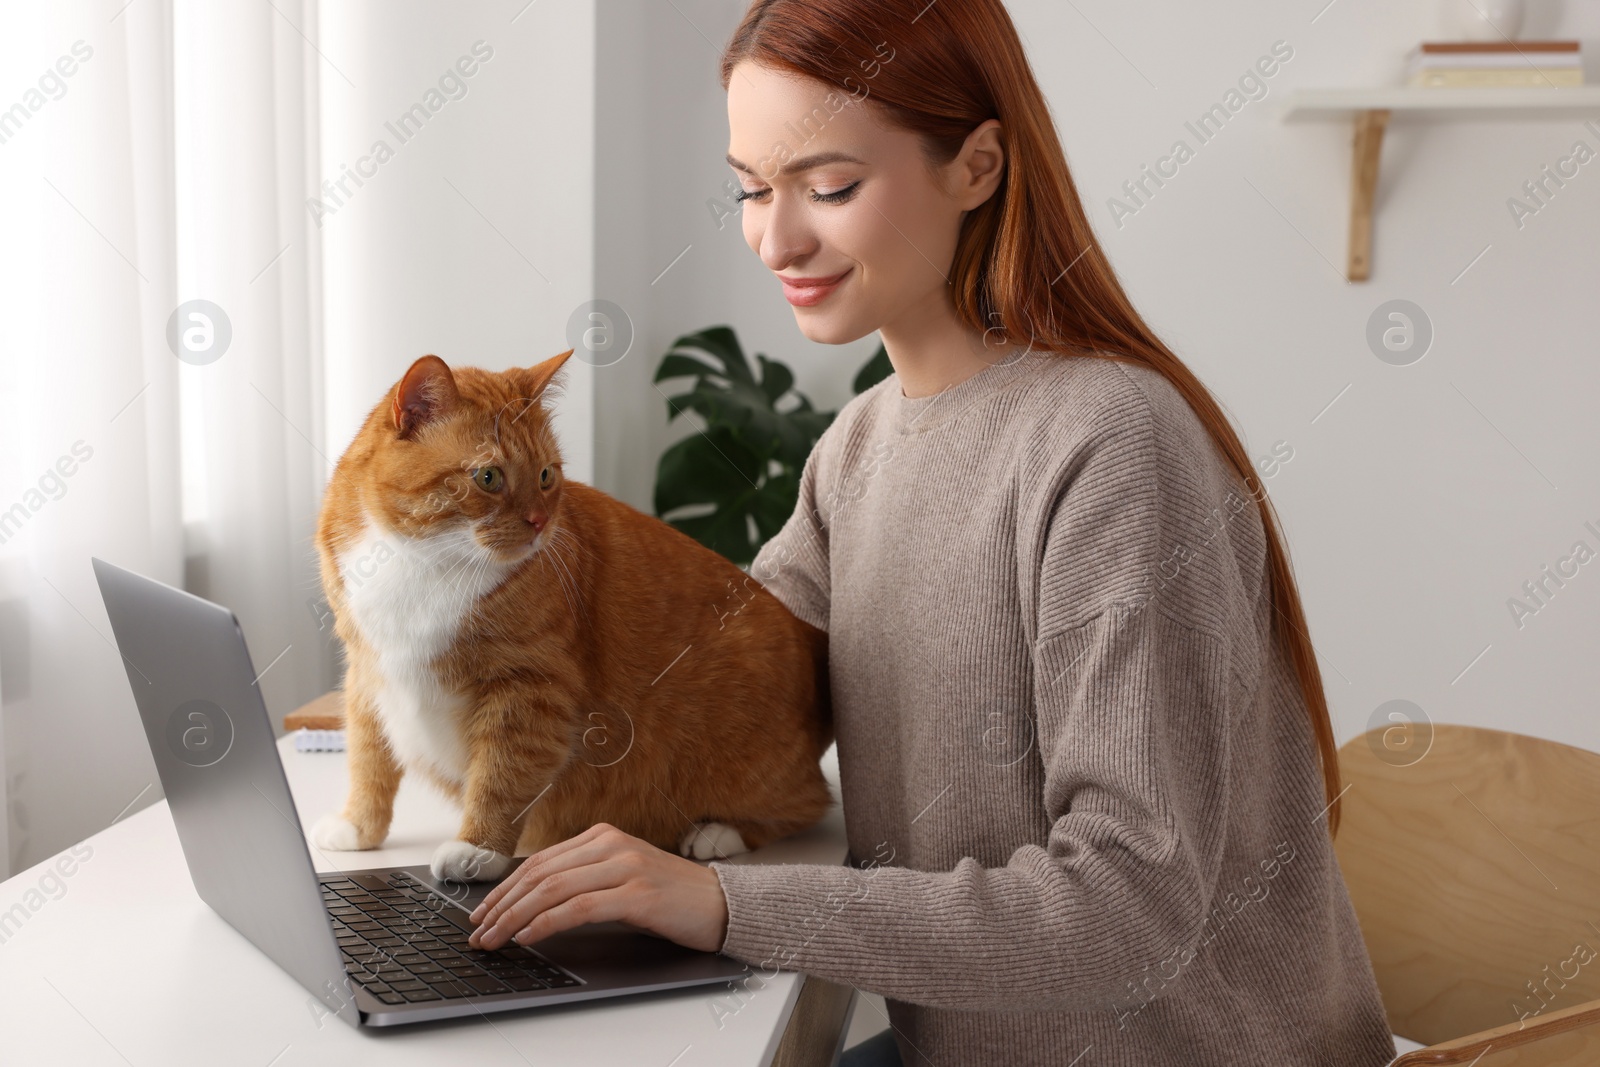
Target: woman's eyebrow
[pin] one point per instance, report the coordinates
(794, 166)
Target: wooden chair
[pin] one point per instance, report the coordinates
(1473, 861)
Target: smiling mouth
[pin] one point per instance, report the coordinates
(807, 292)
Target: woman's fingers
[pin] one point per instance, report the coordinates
(515, 878)
(592, 907)
(521, 885)
(564, 898)
(530, 876)
(605, 875)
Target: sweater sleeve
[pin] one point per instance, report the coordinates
(793, 564)
(1132, 706)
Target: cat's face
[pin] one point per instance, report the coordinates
(468, 456)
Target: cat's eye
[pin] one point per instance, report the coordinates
(489, 479)
(547, 477)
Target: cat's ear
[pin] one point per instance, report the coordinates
(536, 377)
(426, 392)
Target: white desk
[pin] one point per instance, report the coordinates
(121, 963)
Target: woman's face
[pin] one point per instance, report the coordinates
(841, 206)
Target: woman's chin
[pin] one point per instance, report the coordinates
(829, 327)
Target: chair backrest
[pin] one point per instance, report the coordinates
(1472, 857)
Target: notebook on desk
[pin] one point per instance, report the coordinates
(376, 947)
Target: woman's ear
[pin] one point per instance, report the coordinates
(975, 173)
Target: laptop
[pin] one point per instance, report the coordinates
(378, 946)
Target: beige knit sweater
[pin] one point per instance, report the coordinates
(1084, 809)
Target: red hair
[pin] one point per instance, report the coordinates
(1027, 255)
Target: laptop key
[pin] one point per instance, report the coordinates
(390, 998)
(415, 995)
(484, 984)
(522, 983)
(453, 990)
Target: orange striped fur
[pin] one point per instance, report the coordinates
(545, 654)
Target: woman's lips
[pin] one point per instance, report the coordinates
(806, 292)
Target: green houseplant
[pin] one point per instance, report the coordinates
(734, 484)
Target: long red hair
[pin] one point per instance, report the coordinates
(1027, 259)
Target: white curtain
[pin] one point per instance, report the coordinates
(151, 154)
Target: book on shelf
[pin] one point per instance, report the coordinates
(1477, 64)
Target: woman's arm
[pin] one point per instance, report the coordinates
(793, 564)
(1135, 694)
(1133, 722)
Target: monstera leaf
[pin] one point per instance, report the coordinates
(741, 474)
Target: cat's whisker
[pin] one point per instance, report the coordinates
(551, 562)
(567, 540)
(574, 600)
(457, 570)
(473, 602)
(461, 573)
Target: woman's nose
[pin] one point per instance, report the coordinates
(786, 237)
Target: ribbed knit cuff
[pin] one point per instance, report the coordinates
(776, 909)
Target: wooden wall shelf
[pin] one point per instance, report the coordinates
(1371, 109)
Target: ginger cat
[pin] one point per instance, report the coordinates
(546, 654)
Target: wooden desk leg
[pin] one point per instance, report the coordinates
(1363, 184)
(816, 1026)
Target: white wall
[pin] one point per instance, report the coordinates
(1415, 505)
(661, 135)
(473, 241)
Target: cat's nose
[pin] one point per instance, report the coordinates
(537, 519)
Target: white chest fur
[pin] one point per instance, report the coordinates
(408, 598)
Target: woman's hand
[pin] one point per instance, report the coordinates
(604, 874)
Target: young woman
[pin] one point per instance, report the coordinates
(1088, 774)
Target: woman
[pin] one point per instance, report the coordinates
(1079, 719)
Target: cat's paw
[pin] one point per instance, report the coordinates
(711, 841)
(337, 834)
(462, 861)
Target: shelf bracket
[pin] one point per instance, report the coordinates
(1364, 155)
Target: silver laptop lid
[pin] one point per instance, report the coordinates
(211, 737)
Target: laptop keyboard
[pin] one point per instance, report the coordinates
(398, 946)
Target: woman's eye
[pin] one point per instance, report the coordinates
(820, 197)
(837, 197)
(546, 476)
(489, 479)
